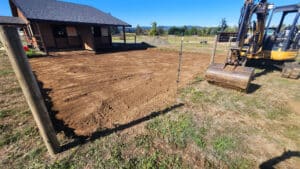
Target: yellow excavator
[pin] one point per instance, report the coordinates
(260, 37)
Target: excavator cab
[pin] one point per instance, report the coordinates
(281, 41)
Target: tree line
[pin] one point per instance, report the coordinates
(184, 30)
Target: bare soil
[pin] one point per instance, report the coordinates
(92, 92)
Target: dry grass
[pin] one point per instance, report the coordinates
(259, 125)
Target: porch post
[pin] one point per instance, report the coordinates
(124, 34)
(110, 36)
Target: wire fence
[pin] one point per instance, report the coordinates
(203, 44)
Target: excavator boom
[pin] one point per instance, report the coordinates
(234, 74)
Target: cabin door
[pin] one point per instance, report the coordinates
(66, 37)
(61, 37)
(102, 37)
(73, 37)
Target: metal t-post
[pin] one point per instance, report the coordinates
(179, 62)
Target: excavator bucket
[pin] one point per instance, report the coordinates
(236, 77)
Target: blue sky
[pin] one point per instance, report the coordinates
(167, 12)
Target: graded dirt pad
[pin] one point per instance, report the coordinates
(95, 92)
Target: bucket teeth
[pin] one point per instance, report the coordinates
(236, 77)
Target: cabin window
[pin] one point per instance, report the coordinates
(104, 32)
(71, 31)
(60, 32)
(97, 31)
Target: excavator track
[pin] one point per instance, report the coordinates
(291, 70)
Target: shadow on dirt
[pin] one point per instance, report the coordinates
(267, 66)
(253, 88)
(116, 47)
(270, 164)
(120, 47)
(59, 125)
(97, 135)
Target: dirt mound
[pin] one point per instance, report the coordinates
(95, 92)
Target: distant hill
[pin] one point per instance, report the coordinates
(166, 28)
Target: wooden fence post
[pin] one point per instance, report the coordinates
(11, 41)
(212, 59)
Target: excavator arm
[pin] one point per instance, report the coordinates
(233, 73)
(249, 44)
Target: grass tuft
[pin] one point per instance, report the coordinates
(6, 72)
(144, 141)
(292, 132)
(176, 132)
(278, 112)
(5, 113)
(10, 138)
(156, 160)
(35, 153)
(223, 144)
(240, 163)
(186, 91)
(179, 131)
(31, 131)
(8, 113)
(198, 79)
(197, 96)
(200, 141)
(13, 90)
(63, 164)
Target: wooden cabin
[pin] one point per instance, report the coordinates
(58, 25)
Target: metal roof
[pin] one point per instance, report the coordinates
(58, 11)
(288, 8)
(8, 20)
